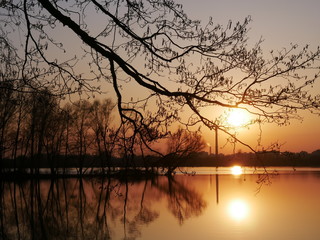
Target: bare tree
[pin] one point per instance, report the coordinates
(39, 110)
(102, 127)
(184, 143)
(8, 108)
(181, 144)
(8, 97)
(82, 138)
(175, 62)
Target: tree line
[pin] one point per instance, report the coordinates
(35, 124)
(36, 127)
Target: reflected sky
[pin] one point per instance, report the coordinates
(186, 207)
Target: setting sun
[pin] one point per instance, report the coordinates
(238, 117)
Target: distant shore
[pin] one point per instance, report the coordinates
(200, 159)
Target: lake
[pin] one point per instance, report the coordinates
(205, 203)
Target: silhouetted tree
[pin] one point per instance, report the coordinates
(174, 62)
(67, 117)
(101, 125)
(180, 145)
(8, 96)
(82, 138)
(41, 107)
(56, 134)
(17, 129)
(8, 107)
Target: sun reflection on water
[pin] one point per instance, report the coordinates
(238, 209)
(236, 170)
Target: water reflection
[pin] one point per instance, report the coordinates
(185, 207)
(92, 208)
(236, 170)
(238, 209)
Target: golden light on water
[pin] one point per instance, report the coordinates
(238, 209)
(236, 170)
(238, 117)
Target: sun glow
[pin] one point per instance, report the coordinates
(236, 170)
(238, 117)
(238, 210)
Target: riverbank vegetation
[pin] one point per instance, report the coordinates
(40, 132)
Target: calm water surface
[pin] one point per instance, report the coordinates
(213, 204)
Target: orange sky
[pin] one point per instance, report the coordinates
(279, 23)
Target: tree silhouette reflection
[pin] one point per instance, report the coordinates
(183, 202)
(83, 208)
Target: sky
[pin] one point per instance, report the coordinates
(279, 23)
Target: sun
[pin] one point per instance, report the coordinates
(238, 117)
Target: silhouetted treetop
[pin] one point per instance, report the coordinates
(175, 63)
